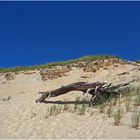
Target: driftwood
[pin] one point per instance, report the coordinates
(95, 89)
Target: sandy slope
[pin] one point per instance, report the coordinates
(21, 117)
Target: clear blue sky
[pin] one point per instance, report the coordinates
(40, 32)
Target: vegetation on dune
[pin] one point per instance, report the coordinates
(53, 64)
(113, 107)
(8, 98)
(118, 115)
(138, 61)
(135, 118)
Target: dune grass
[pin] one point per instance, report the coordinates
(53, 64)
(135, 118)
(138, 61)
(115, 108)
(118, 115)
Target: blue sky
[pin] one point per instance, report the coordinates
(40, 32)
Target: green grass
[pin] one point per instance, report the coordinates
(53, 64)
(138, 61)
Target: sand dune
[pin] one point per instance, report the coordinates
(21, 117)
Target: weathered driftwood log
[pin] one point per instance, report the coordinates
(94, 89)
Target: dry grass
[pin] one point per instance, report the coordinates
(135, 118)
(76, 104)
(137, 100)
(102, 108)
(114, 101)
(113, 107)
(118, 115)
(128, 104)
(6, 99)
(66, 108)
(109, 110)
(82, 109)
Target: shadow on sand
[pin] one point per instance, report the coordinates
(66, 102)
